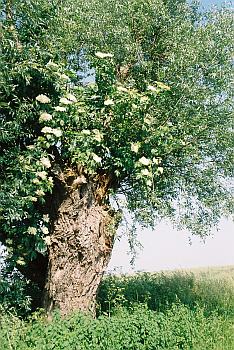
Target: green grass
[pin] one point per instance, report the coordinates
(190, 310)
(210, 288)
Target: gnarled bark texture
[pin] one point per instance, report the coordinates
(80, 249)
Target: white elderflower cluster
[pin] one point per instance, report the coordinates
(45, 117)
(98, 136)
(40, 193)
(51, 64)
(55, 131)
(43, 99)
(135, 147)
(45, 230)
(152, 88)
(32, 231)
(45, 162)
(71, 97)
(46, 218)
(20, 261)
(96, 158)
(109, 102)
(60, 109)
(103, 55)
(145, 161)
(65, 101)
(42, 174)
(145, 172)
(47, 240)
(122, 89)
(64, 77)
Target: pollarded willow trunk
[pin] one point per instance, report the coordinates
(80, 249)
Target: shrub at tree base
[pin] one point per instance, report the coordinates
(138, 329)
(140, 312)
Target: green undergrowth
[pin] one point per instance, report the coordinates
(160, 290)
(141, 312)
(136, 329)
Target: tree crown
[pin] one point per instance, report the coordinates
(153, 120)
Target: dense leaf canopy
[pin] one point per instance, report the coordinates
(138, 90)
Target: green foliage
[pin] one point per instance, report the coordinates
(140, 328)
(13, 294)
(161, 311)
(156, 119)
(159, 291)
(18, 295)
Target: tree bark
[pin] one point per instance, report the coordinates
(79, 251)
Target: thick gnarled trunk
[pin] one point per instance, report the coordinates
(80, 249)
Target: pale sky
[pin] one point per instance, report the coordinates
(166, 248)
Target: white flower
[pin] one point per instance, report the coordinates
(45, 230)
(109, 102)
(86, 132)
(50, 179)
(160, 170)
(46, 162)
(20, 261)
(122, 89)
(33, 199)
(32, 230)
(43, 99)
(144, 99)
(134, 147)
(103, 55)
(149, 183)
(145, 172)
(64, 77)
(144, 161)
(81, 110)
(51, 64)
(157, 160)
(148, 120)
(47, 240)
(30, 147)
(97, 135)
(60, 109)
(96, 158)
(44, 117)
(65, 101)
(42, 175)
(36, 181)
(57, 132)
(91, 85)
(163, 86)
(40, 193)
(152, 88)
(47, 130)
(46, 218)
(71, 97)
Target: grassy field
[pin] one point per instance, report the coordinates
(192, 309)
(219, 272)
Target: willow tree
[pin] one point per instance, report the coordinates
(108, 107)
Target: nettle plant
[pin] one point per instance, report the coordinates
(149, 136)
